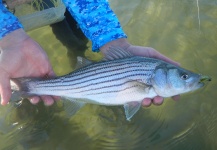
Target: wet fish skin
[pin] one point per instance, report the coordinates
(170, 80)
(124, 81)
(105, 83)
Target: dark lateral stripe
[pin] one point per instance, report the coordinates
(100, 68)
(104, 87)
(88, 78)
(115, 81)
(73, 90)
(71, 83)
(112, 91)
(80, 74)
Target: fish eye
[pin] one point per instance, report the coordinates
(184, 76)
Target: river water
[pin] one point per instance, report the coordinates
(184, 30)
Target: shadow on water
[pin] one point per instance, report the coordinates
(70, 35)
(27, 125)
(100, 127)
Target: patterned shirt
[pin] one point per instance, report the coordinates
(8, 22)
(95, 18)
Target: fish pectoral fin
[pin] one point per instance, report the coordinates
(82, 62)
(71, 106)
(131, 108)
(139, 86)
(138, 83)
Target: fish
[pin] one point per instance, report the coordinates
(119, 79)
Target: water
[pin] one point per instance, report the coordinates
(177, 30)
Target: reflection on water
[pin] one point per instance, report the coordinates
(173, 28)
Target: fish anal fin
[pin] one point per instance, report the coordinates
(131, 109)
(72, 106)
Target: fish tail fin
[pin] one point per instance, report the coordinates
(21, 87)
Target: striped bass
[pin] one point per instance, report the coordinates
(121, 79)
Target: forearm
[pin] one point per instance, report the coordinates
(8, 22)
(96, 20)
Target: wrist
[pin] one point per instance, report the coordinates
(16, 37)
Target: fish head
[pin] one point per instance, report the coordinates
(169, 80)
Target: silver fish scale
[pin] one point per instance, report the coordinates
(124, 81)
(102, 77)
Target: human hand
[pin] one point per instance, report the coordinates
(141, 51)
(20, 56)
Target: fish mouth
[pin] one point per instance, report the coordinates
(204, 79)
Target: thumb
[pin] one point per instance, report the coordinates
(51, 73)
(155, 54)
(5, 89)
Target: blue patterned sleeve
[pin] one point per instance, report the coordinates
(96, 20)
(8, 22)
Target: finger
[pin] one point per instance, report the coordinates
(5, 90)
(146, 102)
(51, 74)
(158, 55)
(164, 58)
(34, 100)
(56, 98)
(176, 97)
(48, 100)
(158, 100)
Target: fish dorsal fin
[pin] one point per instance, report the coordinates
(116, 53)
(82, 62)
(131, 108)
(71, 106)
